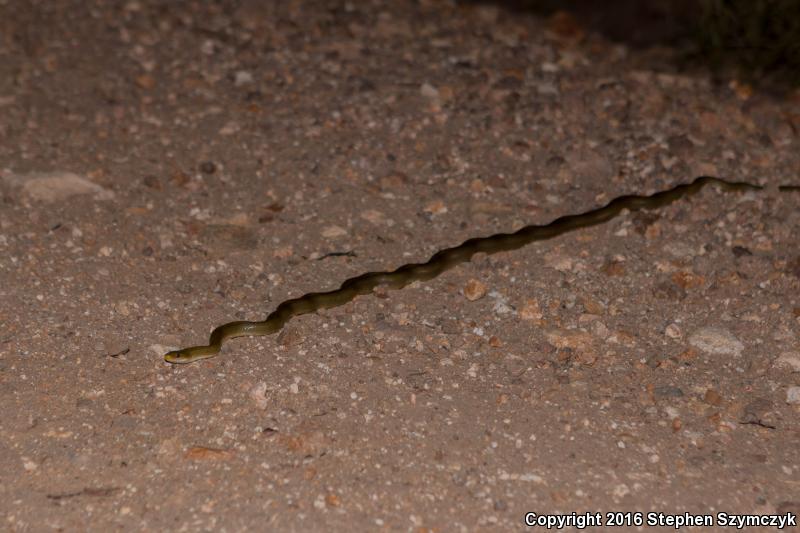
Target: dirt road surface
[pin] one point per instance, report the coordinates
(168, 167)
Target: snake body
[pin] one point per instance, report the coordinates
(446, 259)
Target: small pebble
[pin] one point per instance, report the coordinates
(789, 360)
(593, 306)
(531, 311)
(146, 81)
(436, 207)
(667, 391)
(716, 341)
(283, 252)
(230, 128)
(687, 280)
(208, 167)
(373, 216)
(56, 186)
(558, 262)
(332, 232)
(501, 305)
(289, 336)
(258, 395)
(429, 91)
(474, 290)
(673, 331)
(712, 397)
(793, 395)
(242, 77)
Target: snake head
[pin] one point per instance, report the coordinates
(174, 357)
(181, 357)
(190, 355)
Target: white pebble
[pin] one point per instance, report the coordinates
(259, 395)
(789, 360)
(673, 331)
(793, 395)
(717, 341)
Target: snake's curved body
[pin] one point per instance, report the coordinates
(446, 259)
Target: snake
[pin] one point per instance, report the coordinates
(448, 258)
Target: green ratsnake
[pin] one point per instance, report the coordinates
(446, 259)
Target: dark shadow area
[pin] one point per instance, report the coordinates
(755, 40)
(639, 23)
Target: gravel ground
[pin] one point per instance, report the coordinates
(168, 167)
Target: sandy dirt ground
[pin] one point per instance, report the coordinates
(168, 167)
